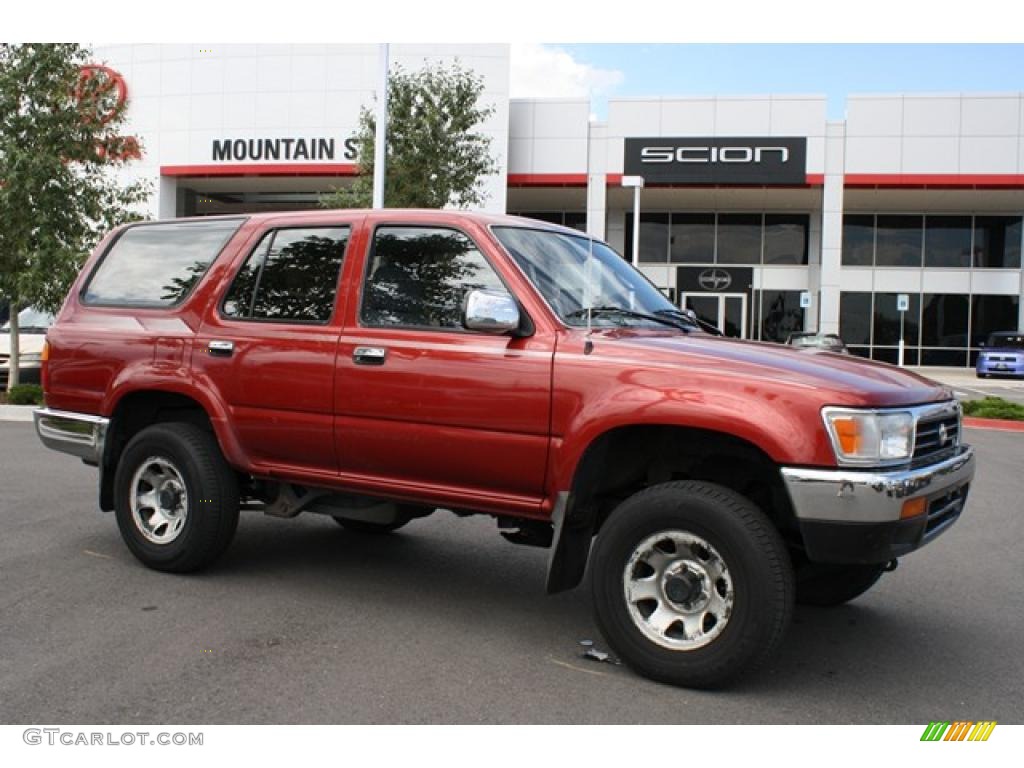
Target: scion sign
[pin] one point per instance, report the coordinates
(768, 160)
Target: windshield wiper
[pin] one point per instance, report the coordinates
(697, 323)
(612, 310)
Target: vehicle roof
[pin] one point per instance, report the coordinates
(389, 215)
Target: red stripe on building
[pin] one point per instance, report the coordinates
(936, 180)
(262, 169)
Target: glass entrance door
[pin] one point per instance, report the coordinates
(725, 311)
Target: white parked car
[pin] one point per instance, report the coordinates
(32, 326)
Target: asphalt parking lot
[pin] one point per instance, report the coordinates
(444, 622)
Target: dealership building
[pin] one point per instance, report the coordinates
(758, 212)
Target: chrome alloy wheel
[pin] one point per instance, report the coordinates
(159, 501)
(678, 590)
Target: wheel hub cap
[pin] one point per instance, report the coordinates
(678, 590)
(158, 501)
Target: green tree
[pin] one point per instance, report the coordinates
(436, 157)
(60, 141)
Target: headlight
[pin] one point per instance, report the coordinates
(870, 437)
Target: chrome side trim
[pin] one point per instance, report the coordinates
(845, 495)
(80, 434)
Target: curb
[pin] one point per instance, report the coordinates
(994, 425)
(21, 413)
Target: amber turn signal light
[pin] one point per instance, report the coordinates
(913, 507)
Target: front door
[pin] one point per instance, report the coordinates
(422, 402)
(725, 311)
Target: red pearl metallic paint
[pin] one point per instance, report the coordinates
(453, 418)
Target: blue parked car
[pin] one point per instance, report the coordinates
(1003, 355)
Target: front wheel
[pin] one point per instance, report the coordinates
(691, 584)
(175, 498)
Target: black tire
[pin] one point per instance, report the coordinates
(211, 490)
(824, 584)
(375, 529)
(757, 564)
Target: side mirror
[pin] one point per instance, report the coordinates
(490, 312)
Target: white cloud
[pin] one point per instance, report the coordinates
(543, 70)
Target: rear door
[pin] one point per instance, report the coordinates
(269, 345)
(423, 402)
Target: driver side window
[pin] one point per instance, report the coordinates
(419, 276)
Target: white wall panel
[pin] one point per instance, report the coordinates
(988, 154)
(945, 281)
(990, 116)
(797, 117)
(688, 117)
(783, 279)
(520, 155)
(874, 116)
(634, 118)
(742, 117)
(520, 119)
(560, 119)
(873, 154)
(931, 116)
(853, 279)
(996, 281)
(559, 155)
(931, 154)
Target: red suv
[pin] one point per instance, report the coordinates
(378, 366)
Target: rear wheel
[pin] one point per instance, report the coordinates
(175, 498)
(691, 584)
(824, 584)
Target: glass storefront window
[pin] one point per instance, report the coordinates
(944, 320)
(997, 241)
(855, 318)
(992, 313)
(785, 238)
(859, 240)
(693, 238)
(653, 238)
(739, 238)
(887, 320)
(781, 315)
(898, 241)
(947, 241)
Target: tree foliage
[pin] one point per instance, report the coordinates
(60, 123)
(436, 156)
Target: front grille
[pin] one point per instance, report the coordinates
(1001, 359)
(930, 432)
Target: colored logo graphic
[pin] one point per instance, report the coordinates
(958, 731)
(104, 91)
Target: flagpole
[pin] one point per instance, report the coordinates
(381, 135)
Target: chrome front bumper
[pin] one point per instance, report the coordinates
(80, 434)
(842, 495)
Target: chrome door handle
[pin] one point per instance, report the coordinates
(219, 348)
(369, 355)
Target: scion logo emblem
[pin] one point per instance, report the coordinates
(714, 279)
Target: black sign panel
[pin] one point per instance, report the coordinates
(765, 160)
(714, 279)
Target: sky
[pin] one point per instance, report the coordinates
(637, 70)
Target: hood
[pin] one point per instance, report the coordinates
(840, 379)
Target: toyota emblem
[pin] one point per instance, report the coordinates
(714, 279)
(943, 434)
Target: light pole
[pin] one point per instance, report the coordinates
(637, 183)
(380, 138)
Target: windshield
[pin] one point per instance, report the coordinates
(574, 273)
(1006, 340)
(30, 319)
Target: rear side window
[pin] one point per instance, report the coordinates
(157, 265)
(290, 277)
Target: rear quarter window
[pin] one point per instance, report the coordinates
(157, 265)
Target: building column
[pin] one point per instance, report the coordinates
(167, 201)
(597, 180)
(832, 227)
